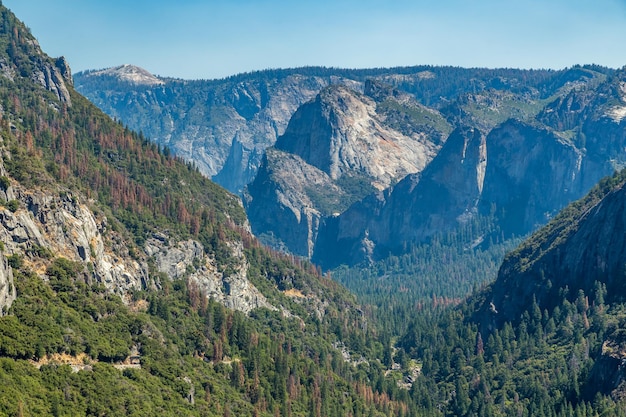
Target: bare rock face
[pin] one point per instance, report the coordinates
(64, 68)
(49, 77)
(68, 228)
(254, 116)
(174, 260)
(188, 259)
(340, 132)
(337, 149)
(446, 194)
(233, 289)
(443, 195)
(130, 74)
(507, 174)
(527, 164)
(288, 198)
(7, 287)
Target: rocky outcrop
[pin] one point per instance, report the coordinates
(345, 238)
(63, 226)
(240, 166)
(336, 149)
(232, 289)
(64, 68)
(26, 59)
(49, 76)
(287, 200)
(189, 259)
(176, 260)
(445, 194)
(339, 133)
(7, 286)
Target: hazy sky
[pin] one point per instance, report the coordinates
(217, 38)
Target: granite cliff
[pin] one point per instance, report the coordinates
(503, 174)
(419, 206)
(336, 149)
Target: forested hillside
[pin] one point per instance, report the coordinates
(118, 261)
(546, 338)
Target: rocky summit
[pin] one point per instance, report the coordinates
(336, 149)
(129, 74)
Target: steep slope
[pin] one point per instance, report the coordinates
(525, 164)
(418, 207)
(516, 163)
(282, 202)
(130, 284)
(547, 337)
(336, 149)
(582, 246)
(576, 262)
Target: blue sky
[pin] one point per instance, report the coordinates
(217, 38)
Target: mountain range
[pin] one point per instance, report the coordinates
(374, 163)
(130, 284)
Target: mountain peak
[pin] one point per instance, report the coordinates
(131, 74)
(341, 132)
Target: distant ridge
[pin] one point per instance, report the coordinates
(131, 74)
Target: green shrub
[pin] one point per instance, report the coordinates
(13, 205)
(5, 183)
(15, 261)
